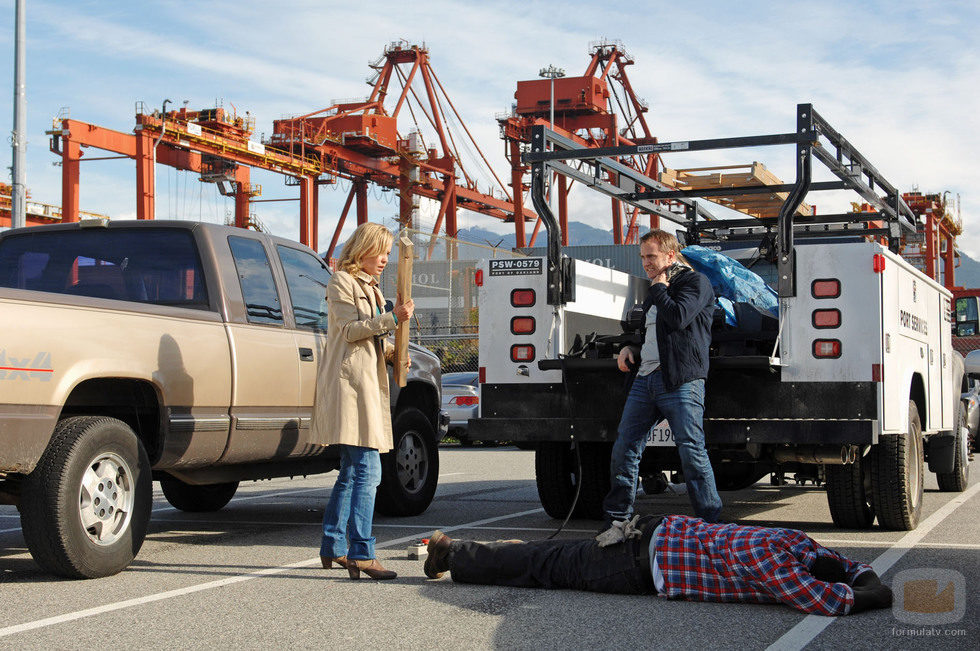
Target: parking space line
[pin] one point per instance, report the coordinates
(9, 530)
(376, 525)
(179, 592)
(812, 625)
(884, 543)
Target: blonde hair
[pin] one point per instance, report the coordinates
(368, 239)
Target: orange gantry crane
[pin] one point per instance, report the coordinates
(933, 248)
(597, 109)
(360, 141)
(357, 141)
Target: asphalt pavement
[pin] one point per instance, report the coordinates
(249, 576)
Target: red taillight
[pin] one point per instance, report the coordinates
(826, 318)
(522, 353)
(825, 288)
(465, 401)
(522, 325)
(478, 278)
(483, 375)
(878, 263)
(522, 297)
(826, 348)
(876, 374)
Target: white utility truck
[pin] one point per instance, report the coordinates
(854, 385)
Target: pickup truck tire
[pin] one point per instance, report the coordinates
(556, 475)
(849, 501)
(957, 480)
(897, 475)
(410, 471)
(197, 499)
(86, 506)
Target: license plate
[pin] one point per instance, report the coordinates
(660, 435)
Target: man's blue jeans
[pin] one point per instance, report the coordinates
(647, 404)
(350, 511)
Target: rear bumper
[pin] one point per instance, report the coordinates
(717, 433)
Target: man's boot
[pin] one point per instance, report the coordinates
(439, 554)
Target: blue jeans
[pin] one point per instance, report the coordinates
(647, 404)
(347, 518)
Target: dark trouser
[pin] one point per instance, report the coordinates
(571, 564)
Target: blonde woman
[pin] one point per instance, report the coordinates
(352, 406)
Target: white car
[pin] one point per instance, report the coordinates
(461, 399)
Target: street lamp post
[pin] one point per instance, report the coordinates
(18, 199)
(552, 73)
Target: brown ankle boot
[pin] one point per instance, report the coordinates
(371, 567)
(328, 561)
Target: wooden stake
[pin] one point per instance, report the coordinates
(406, 254)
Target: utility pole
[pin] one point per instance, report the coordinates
(18, 199)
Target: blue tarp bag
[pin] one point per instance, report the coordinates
(732, 280)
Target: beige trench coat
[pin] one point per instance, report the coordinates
(352, 404)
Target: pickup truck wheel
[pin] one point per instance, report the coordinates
(848, 497)
(897, 476)
(410, 471)
(957, 480)
(197, 499)
(556, 475)
(86, 506)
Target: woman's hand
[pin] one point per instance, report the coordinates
(404, 311)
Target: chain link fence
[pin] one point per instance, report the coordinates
(446, 296)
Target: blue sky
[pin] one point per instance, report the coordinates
(899, 79)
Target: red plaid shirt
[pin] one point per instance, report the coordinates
(728, 562)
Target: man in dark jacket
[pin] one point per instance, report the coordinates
(677, 557)
(673, 364)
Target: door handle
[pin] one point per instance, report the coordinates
(306, 354)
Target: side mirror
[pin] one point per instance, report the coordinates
(972, 364)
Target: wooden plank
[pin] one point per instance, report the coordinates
(406, 255)
(728, 176)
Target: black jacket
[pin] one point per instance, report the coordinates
(685, 310)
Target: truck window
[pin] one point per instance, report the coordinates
(255, 275)
(159, 266)
(967, 317)
(306, 278)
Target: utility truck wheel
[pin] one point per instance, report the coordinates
(197, 499)
(410, 471)
(897, 476)
(557, 477)
(957, 480)
(848, 495)
(86, 506)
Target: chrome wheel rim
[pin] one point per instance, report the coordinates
(411, 462)
(105, 499)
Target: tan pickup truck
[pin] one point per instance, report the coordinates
(171, 351)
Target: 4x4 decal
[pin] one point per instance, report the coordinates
(25, 368)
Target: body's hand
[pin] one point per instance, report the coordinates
(624, 359)
(662, 277)
(404, 311)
